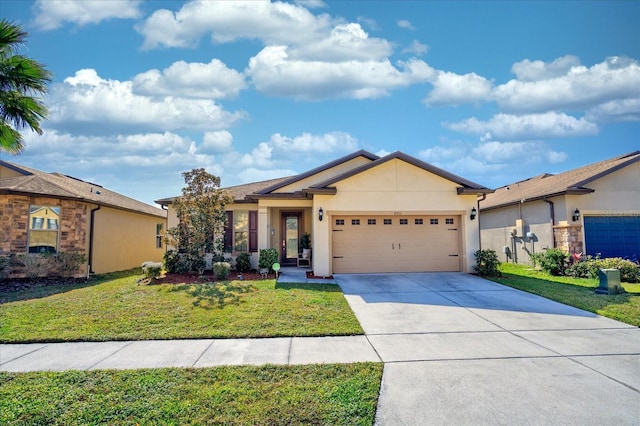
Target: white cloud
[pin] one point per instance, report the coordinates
(619, 110)
(96, 105)
(442, 154)
(579, 88)
(220, 141)
(346, 42)
(308, 143)
(51, 14)
(311, 4)
(416, 48)
(538, 70)
(523, 127)
(193, 80)
(274, 73)
(455, 89)
(273, 23)
(403, 23)
(517, 153)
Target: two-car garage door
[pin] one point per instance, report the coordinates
(395, 243)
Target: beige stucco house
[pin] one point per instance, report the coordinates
(592, 210)
(51, 212)
(364, 213)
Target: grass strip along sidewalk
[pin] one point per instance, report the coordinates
(113, 307)
(577, 292)
(268, 395)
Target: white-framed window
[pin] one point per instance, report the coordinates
(43, 229)
(418, 222)
(371, 221)
(433, 221)
(387, 221)
(339, 221)
(159, 232)
(404, 221)
(355, 221)
(448, 221)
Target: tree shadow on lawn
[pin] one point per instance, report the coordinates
(215, 295)
(19, 289)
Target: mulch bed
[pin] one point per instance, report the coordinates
(19, 284)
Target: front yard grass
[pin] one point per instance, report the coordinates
(329, 394)
(115, 308)
(577, 292)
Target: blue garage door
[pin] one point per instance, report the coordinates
(613, 236)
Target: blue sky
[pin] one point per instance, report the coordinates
(495, 92)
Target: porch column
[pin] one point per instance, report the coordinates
(263, 228)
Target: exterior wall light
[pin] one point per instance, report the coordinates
(576, 215)
(320, 214)
(474, 213)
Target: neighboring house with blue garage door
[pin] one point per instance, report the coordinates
(592, 210)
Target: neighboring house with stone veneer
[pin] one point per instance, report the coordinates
(51, 212)
(364, 213)
(592, 210)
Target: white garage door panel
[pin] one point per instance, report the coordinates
(403, 244)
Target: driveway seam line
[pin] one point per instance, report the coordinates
(25, 354)
(203, 352)
(110, 355)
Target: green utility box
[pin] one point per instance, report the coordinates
(609, 282)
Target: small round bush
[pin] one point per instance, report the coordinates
(553, 261)
(487, 263)
(243, 262)
(221, 270)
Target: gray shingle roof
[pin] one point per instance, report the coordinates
(36, 182)
(547, 185)
(238, 192)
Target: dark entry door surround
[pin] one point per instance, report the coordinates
(290, 238)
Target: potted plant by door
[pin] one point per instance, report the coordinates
(305, 244)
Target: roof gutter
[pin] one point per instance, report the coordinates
(91, 231)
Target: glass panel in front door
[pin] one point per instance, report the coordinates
(291, 229)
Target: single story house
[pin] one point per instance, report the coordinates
(592, 210)
(364, 213)
(51, 212)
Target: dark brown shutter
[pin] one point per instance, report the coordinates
(253, 231)
(228, 233)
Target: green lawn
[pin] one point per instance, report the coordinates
(115, 308)
(578, 292)
(270, 395)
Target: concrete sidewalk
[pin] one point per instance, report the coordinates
(190, 353)
(197, 353)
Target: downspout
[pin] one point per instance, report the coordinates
(93, 211)
(484, 196)
(552, 214)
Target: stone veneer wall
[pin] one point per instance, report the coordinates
(14, 220)
(568, 238)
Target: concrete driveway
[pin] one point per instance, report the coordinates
(462, 350)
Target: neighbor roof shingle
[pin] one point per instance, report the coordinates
(548, 185)
(36, 182)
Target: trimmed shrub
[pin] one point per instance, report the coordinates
(176, 263)
(487, 263)
(267, 258)
(221, 270)
(553, 261)
(69, 263)
(629, 271)
(152, 269)
(243, 262)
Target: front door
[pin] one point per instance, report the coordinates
(290, 238)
